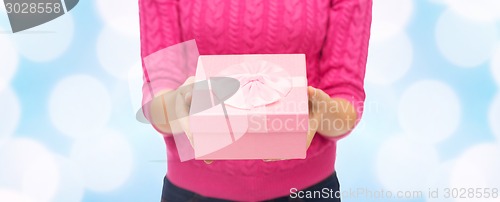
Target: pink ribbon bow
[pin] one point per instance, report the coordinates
(261, 83)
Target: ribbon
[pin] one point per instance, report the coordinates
(261, 83)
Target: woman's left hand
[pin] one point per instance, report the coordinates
(315, 97)
(325, 110)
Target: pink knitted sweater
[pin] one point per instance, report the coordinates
(333, 34)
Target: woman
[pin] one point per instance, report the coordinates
(333, 34)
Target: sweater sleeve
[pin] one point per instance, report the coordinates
(159, 24)
(159, 29)
(345, 51)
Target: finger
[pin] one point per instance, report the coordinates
(316, 94)
(311, 92)
(271, 160)
(208, 161)
(186, 90)
(310, 137)
(188, 97)
(183, 112)
(311, 132)
(310, 106)
(182, 109)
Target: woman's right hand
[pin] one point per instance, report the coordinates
(175, 105)
(169, 109)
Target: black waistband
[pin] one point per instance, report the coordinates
(173, 193)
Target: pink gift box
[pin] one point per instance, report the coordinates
(262, 112)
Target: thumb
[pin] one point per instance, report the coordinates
(187, 89)
(311, 93)
(188, 96)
